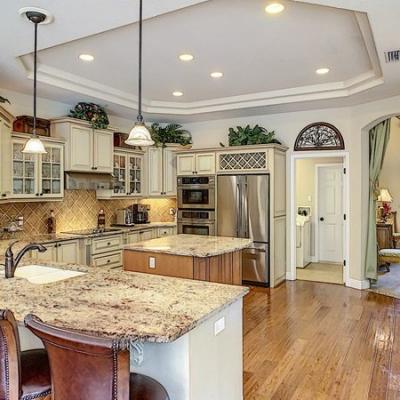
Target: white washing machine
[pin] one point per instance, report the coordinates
(303, 241)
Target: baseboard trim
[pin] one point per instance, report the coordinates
(357, 284)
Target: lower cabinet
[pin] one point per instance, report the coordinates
(106, 251)
(64, 251)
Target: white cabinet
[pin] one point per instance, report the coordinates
(5, 153)
(87, 149)
(36, 176)
(64, 252)
(196, 164)
(161, 167)
(166, 231)
(127, 175)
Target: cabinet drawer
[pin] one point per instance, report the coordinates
(109, 260)
(167, 231)
(145, 235)
(107, 244)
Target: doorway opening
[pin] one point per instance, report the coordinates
(387, 218)
(319, 214)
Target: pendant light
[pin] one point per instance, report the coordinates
(140, 135)
(34, 145)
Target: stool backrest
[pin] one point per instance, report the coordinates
(10, 357)
(82, 366)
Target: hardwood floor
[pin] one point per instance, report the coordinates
(307, 340)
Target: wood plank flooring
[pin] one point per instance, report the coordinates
(306, 340)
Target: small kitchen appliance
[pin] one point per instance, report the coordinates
(140, 213)
(124, 217)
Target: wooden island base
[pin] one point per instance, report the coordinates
(223, 268)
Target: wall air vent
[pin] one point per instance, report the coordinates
(392, 56)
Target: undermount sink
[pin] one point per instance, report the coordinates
(40, 275)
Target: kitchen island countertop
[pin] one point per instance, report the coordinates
(116, 304)
(191, 245)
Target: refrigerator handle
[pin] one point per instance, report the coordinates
(238, 209)
(245, 211)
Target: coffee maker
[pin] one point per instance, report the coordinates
(140, 213)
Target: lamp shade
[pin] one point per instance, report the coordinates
(34, 146)
(139, 136)
(385, 196)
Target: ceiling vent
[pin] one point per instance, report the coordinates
(392, 56)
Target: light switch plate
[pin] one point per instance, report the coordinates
(219, 326)
(152, 262)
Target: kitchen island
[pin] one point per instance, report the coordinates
(186, 334)
(207, 258)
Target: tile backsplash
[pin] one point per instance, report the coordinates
(78, 210)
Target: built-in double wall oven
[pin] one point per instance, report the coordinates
(196, 205)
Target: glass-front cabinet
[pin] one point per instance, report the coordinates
(35, 176)
(127, 175)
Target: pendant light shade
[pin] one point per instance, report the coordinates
(34, 145)
(140, 135)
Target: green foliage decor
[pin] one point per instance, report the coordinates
(4, 100)
(248, 136)
(93, 113)
(170, 133)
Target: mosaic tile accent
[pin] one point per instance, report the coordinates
(78, 210)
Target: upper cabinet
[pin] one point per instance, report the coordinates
(196, 163)
(161, 171)
(6, 120)
(127, 175)
(36, 176)
(87, 149)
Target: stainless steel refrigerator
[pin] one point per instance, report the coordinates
(243, 211)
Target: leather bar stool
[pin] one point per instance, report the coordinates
(24, 375)
(85, 367)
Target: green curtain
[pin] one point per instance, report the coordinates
(378, 140)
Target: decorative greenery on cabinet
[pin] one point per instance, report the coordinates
(4, 100)
(170, 133)
(247, 135)
(93, 113)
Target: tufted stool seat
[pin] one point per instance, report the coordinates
(98, 367)
(23, 375)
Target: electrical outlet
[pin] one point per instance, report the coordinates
(152, 262)
(219, 326)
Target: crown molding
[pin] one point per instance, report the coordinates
(360, 83)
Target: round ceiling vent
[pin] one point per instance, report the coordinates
(49, 17)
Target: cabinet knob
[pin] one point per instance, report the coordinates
(108, 261)
(3, 195)
(37, 194)
(41, 194)
(109, 244)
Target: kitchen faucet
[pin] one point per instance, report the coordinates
(11, 263)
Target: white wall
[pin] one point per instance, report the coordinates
(354, 123)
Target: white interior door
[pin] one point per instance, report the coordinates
(330, 213)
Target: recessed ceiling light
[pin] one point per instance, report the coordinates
(186, 57)
(86, 57)
(216, 75)
(177, 93)
(322, 71)
(274, 8)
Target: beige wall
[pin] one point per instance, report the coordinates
(305, 187)
(390, 174)
(78, 210)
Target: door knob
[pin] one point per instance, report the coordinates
(322, 219)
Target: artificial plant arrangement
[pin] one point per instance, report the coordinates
(4, 100)
(93, 113)
(248, 136)
(170, 133)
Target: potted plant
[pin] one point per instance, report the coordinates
(93, 113)
(170, 134)
(250, 136)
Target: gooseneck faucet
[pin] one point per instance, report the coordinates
(11, 263)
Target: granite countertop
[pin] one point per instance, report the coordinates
(24, 239)
(191, 245)
(122, 305)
